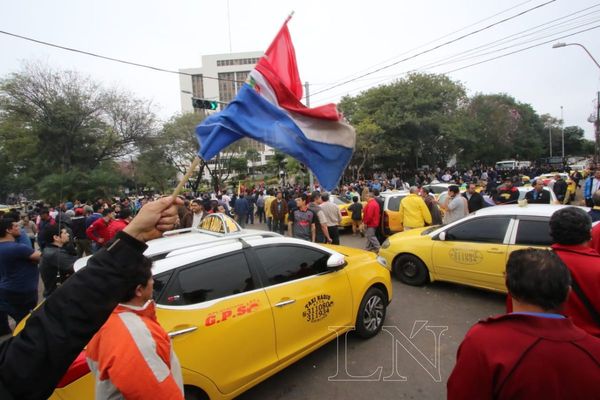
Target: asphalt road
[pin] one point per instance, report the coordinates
(420, 322)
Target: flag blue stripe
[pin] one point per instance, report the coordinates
(250, 115)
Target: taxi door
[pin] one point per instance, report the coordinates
(474, 252)
(306, 298)
(530, 231)
(392, 212)
(219, 319)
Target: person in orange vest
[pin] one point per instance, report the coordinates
(131, 355)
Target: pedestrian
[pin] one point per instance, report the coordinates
(508, 192)
(29, 227)
(533, 352)
(322, 233)
(279, 211)
(45, 221)
(538, 195)
(455, 206)
(193, 219)
(591, 186)
(356, 215)
(83, 244)
(474, 199)
(251, 199)
(371, 222)
(19, 275)
(302, 220)
(268, 215)
(241, 209)
(413, 212)
(56, 264)
(119, 223)
(560, 188)
(333, 217)
(260, 207)
(98, 231)
(595, 211)
(131, 355)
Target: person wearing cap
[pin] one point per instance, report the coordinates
(538, 195)
(507, 193)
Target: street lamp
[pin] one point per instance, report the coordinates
(597, 136)
(561, 44)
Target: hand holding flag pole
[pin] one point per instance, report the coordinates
(186, 177)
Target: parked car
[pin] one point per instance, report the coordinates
(240, 307)
(472, 251)
(391, 206)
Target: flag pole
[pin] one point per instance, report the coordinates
(289, 17)
(186, 177)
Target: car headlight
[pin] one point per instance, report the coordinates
(385, 244)
(382, 261)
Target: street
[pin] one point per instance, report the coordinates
(326, 373)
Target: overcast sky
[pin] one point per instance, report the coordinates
(334, 40)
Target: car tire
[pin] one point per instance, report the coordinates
(410, 270)
(371, 313)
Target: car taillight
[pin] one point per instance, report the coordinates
(78, 368)
(344, 212)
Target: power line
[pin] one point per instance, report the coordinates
(87, 53)
(428, 43)
(479, 51)
(438, 46)
(523, 49)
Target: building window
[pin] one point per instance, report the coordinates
(226, 86)
(197, 86)
(237, 61)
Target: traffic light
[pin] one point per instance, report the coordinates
(205, 104)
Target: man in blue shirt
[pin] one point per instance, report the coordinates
(19, 275)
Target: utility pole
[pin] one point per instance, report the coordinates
(550, 135)
(597, 147)
(562, 128)
(311, 178)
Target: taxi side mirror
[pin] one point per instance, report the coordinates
(336, 261)
(442, 236)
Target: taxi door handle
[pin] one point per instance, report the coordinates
(495, 251)
(285, 303)
(180, 332)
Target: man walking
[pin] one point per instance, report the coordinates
(371, 222)
(131, 355)
(474, 200)
(98, 230)
(241, 209)
(560, 188)
(279, 210)
(333, 217)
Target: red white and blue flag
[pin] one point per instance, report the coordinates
(268, 109)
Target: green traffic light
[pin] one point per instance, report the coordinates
(214, 105)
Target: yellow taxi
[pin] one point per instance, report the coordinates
(392, 222)
(240, 307)
(472, 251)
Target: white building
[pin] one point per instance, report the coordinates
(230, 69)
(219, 78)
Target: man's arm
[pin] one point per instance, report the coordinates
(59, 329)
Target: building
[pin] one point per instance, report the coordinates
(231, 70)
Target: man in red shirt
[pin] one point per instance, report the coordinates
(371, 222)
(120, 223)
(98, 231)
(570, 230)
(533, 352)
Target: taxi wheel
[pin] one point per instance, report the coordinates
(410, 270)
(371, 313)
(193, 393)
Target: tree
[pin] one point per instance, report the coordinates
(53, 121)
(153, 170)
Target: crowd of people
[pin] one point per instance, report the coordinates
(552, 315)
